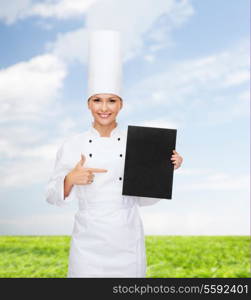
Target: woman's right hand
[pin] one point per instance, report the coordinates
(81, 175)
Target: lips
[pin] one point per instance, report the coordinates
(104, 116)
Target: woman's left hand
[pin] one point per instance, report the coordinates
(176, 159)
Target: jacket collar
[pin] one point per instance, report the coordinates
(95, 132)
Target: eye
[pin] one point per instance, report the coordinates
(96, 99)
(112, 100)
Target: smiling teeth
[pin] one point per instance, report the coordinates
(104, 116)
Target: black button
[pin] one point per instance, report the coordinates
(90, 155)
(90, 141)
(118, 139)
(120, 178)
(120, 155)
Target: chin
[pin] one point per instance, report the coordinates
(105, 122)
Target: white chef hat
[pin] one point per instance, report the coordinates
(104, 62)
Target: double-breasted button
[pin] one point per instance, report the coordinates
(120, 155)
(120, 178)
(90, 154)
(90, 141)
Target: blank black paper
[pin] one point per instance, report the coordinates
(148, 168)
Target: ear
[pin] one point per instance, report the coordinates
(121, 104)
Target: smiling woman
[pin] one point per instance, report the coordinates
(104, 109)
(108, 236)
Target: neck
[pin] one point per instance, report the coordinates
(104, 130)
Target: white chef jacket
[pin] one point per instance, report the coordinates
(108, 237)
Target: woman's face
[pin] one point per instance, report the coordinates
(104, 108)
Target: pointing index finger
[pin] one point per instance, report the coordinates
(95, 170)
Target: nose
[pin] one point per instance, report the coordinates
(104, 106)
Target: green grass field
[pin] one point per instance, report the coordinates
(167, 256)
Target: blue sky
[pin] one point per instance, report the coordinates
(186, 66)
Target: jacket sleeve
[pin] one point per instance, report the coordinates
(145, 201)
(54, 192)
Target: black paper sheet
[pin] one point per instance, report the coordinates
(148, 168)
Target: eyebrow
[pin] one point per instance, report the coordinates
(113, 98)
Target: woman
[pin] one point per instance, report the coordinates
(108, 237)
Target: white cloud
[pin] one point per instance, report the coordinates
(194, 171)
(62, 9)
(27, 88)
(115, 10)
(199, 88)
(28, 96)
(149, 58)
(212, 180)
(70, 46)
(15, 10)
(10, 11)
(67, 126)
(237, 78)
(160, 123)
(185, 78)
(147, 29)
(26, 172)
(139, 21)
(60, 223)
(28, 158)
(15, 138)
(216, 182)
(194, 223)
